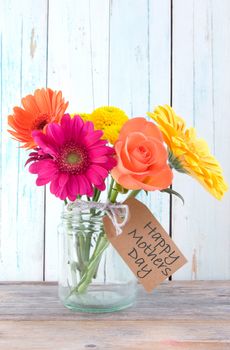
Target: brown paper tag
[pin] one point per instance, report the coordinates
(145, 246)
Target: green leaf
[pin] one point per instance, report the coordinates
(175, 193)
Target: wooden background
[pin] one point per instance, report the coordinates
(134, 54)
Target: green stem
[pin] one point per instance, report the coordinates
(73, 264)
(87, 246)
(113, 195)
(101, 244)
(80, 252)
(110, 188)
(88, 237)
(133, 193)
(96, 196)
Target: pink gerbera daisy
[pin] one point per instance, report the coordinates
(71, 157)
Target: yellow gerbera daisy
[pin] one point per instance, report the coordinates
(110, 120)
(190, 154)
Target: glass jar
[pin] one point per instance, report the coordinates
(92, 275)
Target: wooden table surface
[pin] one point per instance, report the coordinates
(177, 315)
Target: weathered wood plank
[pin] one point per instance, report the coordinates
(148, 335)
(178, 315)
(174, 300)
(201, 84)
(23, 67)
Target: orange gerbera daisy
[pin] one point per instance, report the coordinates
(38, 110)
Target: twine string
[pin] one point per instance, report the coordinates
(114, 211)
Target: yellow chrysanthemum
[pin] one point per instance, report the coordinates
(85, 116)
(110, 120)
(111, 133)
(191, 153)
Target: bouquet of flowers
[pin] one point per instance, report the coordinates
(79, 154)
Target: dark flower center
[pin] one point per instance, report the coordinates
(40, 122)
(73, 159)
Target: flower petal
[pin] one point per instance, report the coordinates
(45, 143)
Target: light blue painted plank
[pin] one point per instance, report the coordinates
(159, 19)
(81, 72)
(201, 87)
(1, 20)
(23, 69)
(140, 67)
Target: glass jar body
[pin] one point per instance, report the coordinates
(92, 275)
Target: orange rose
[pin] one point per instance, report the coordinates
(141, 157)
